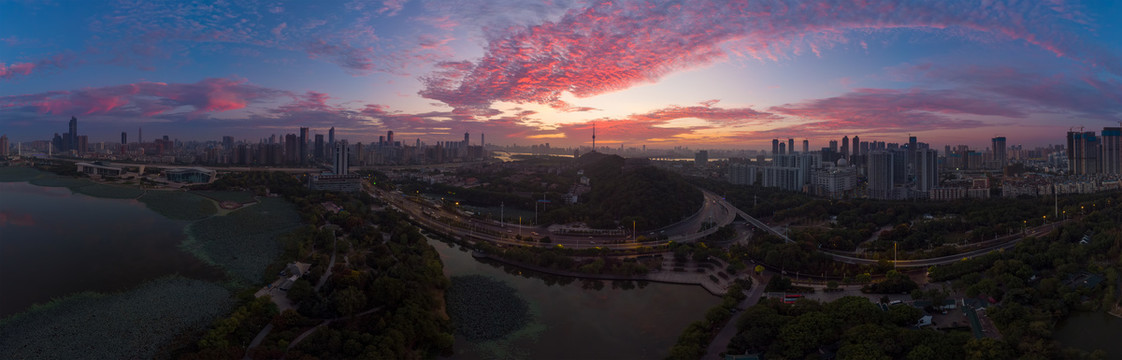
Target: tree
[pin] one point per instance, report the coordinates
(759, 269)
(348, 301)
(301, 290)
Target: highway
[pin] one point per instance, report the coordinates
(688, 230)
(714, 209)
(1037, 231)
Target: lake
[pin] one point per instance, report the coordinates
(1092, 331)
(55, 243)
(574, 320)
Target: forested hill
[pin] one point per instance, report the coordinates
(651, 197)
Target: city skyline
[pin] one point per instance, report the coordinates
(701, 74)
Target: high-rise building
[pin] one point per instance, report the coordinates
(1083, 153)
(1112, 150)
(845, 147)
(73, 145)
(82, 144)
(774, 147)
(228, 143)
(483, 141)
(342, 158)
(927, 171)
(389, 138)
(806, 146)
(467, 138)
(303, 155)
(880, 174)
(701, 158)
(124, 138)
(834, 145)
(791, 145)
(331, 137)
(4, 145)
(782, 148)
(291, 149)
(319, 149)
(999, 157)
(856, 144)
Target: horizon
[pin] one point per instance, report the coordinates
(703, 75)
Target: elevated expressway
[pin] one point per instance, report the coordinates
(715, 209)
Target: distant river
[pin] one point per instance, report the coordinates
(55, 243)
(575, 321)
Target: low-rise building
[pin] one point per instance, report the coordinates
(191, 175)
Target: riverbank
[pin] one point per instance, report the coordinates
(701, 279)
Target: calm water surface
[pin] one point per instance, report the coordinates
(575, 321)
(55, 243)
(1092, 331)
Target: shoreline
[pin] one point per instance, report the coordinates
(713, 289)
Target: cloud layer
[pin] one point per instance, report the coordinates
(615, 45)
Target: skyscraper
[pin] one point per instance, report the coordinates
(845, 147)
(1112, 150)
(303, 155)
(4, 145)
(342, 156)
(774, 147)
(880, 175)
(124, 138)
(73, 145)
(389, 138)
(791, 145)
(999, 157)
(1083, 153)
(331, 136)
(806, 146)
(319, 149)
(856, 144)
(467, 138)
(927, 171)
(291, 149)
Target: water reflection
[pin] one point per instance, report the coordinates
(579, 318)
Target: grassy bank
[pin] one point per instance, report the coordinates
(18, 174)
(128, 325)
(178, 205)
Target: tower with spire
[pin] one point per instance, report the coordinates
(593, 136)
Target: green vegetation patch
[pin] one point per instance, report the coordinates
(244, 242)
(235, 196)
(483, 308)
(109, 191)
(178, 205)
(18, 174)
(129, 325)
(59, 181)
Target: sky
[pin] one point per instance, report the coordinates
(698, 73)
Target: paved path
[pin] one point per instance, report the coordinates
(721, 341)
(327, 274)
(257, 340)
(309, 332)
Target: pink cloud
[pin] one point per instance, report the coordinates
(392, 7)
(615, 45)
(892, 110)
(57, 61)
(146, 98)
